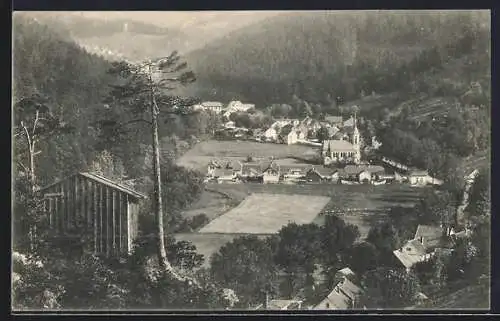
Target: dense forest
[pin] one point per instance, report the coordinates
(318, 57)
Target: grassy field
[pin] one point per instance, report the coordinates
(267, 213)
(202, 153)
(212, 204)
(361, 205)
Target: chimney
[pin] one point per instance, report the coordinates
(422, 239)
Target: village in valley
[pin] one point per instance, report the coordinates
(337, 156)
(303, 161)
(341, 143)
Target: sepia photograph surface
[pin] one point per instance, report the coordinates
(251, 160)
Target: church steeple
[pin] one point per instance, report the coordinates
(356, 141)
(356, 131)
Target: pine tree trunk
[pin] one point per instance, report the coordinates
(158, 206)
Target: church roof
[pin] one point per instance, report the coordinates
(338, 145)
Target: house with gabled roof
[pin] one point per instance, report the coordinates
(346, 295)
(321, 174)
(271, 173)
(362, 172)
(428, 241)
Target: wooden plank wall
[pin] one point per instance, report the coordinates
(108, 215)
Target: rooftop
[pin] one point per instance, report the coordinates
(432, 235)
(103, 180)
(342, 296)
(356, 169)
(411, 253)
(211, 104)
(418, 172)
(338, 145)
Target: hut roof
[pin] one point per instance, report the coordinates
(103, 180)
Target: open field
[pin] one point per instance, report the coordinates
(267, 214)
(360, 205)
(202, 153)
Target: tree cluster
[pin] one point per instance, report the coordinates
(283, 265)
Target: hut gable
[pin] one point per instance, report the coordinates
(107, 211)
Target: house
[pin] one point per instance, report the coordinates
(345, 296)
(271, 173)
(332, 131)
(224, 170)
(428, 241)
(411, 253)
(271, 134)
(362, 172)
(293, 174)
(283, 133)
(321, 174)
(309, 125)
(296, 135)
(364, 176)
(105, 209)
(375, 143)
(212, 106)
(418, 177)
(430, 236)
(237, 106)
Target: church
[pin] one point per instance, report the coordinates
(346, 147)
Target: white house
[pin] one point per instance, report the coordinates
(272, 133)
(235, 106)
(213, 106)
(422, 177)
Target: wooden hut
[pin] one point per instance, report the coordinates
(106, 210)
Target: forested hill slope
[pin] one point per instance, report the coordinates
(74, 81)
(316, 55)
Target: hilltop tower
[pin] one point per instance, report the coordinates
(356, 141)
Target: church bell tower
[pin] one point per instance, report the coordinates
(356, 141)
